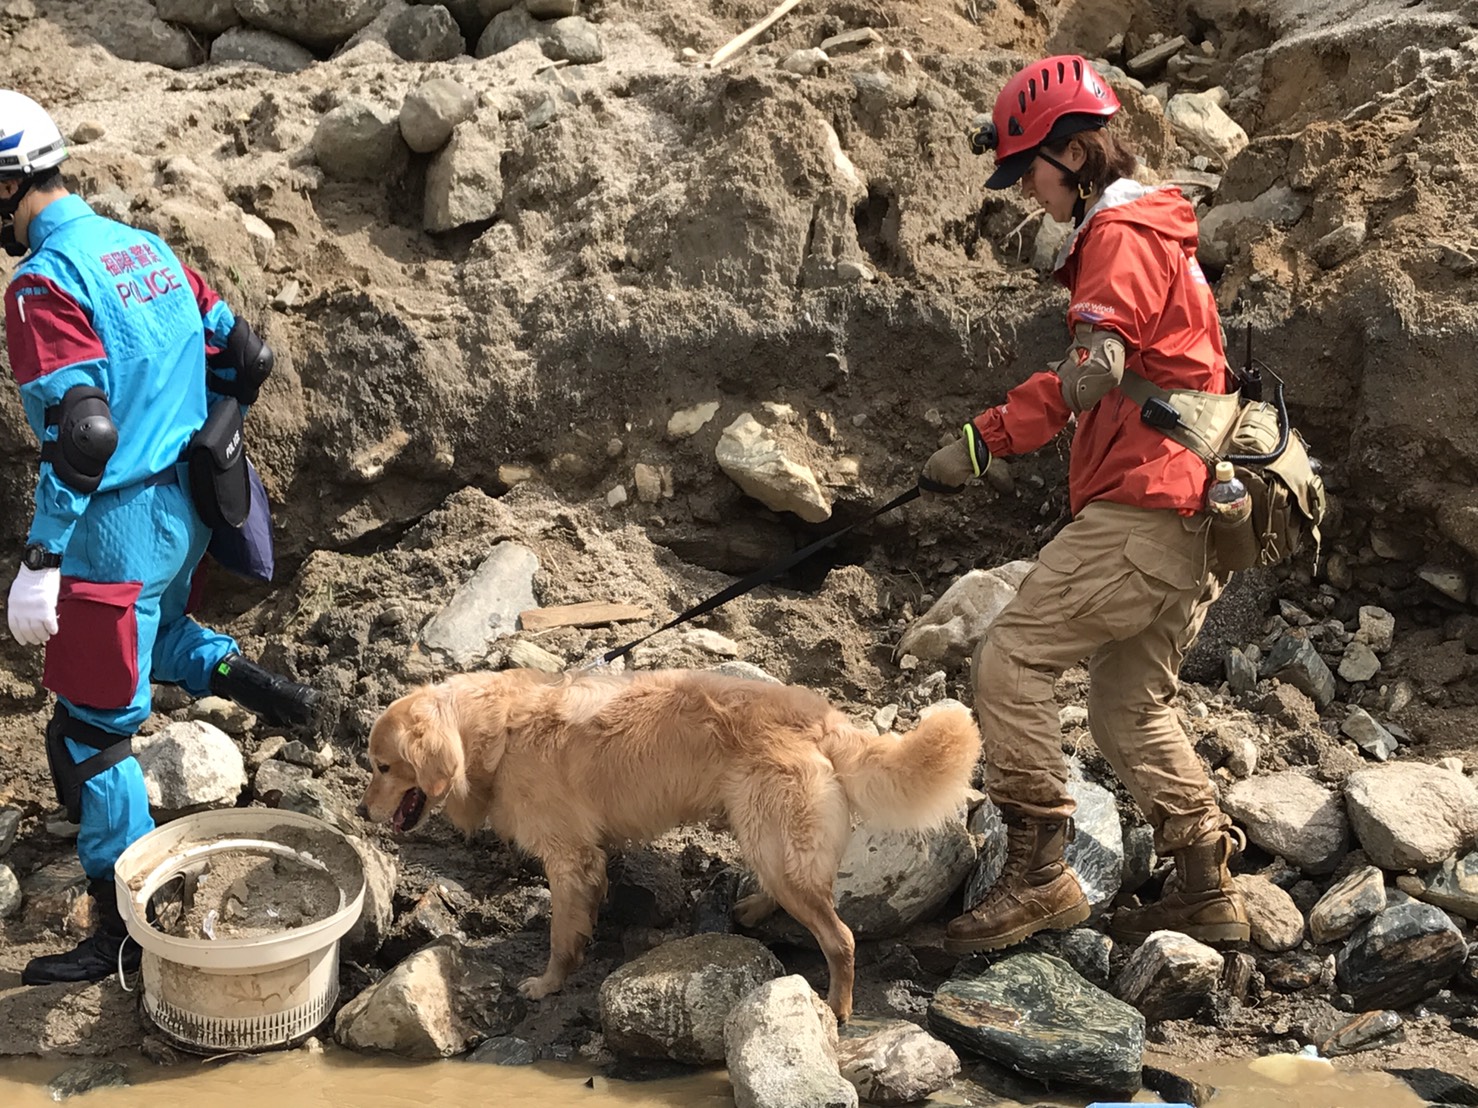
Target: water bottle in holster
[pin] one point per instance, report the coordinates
(1229, 504)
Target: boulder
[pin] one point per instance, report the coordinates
(673, 1000)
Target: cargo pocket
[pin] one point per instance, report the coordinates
(1172, 566)
(1070, 588)
(93, 659)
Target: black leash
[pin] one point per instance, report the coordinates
(754, 580)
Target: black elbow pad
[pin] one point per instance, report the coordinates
(250, 357)
(86, 438)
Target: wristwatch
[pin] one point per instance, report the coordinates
(38, 557)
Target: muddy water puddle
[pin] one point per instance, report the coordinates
(339, 1080)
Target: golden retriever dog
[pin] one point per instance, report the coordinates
(564, 766)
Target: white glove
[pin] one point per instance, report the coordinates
(32, 608)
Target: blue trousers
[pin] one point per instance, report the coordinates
(126, 576)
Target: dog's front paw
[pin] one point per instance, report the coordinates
(536, 988)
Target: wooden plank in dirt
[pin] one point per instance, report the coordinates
(589, 613)
(740, 41)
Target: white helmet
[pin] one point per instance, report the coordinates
(29, 140)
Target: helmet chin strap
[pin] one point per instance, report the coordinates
(8, 209)
(1080, 207)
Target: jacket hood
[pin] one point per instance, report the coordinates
(1158, 208)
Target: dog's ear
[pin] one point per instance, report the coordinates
(433, 743)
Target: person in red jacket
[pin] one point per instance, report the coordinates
(1126, 584)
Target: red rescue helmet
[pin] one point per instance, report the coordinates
(1045, 102)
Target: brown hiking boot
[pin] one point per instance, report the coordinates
(1206, 906)
(1036, 891)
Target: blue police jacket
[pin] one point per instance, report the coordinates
(99, 303)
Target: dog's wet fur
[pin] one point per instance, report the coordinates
(564, 766)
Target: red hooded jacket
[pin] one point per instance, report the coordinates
(1131, 267)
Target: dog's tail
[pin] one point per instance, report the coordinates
(915, 780)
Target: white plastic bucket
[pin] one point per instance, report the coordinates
(255, 993)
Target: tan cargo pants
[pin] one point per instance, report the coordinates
(1127, 588)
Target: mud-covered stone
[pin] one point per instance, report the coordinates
(435, 1004)
(1402, 956)
(264, 48)
(1365, 1031)
(86, 1076)
(190, 765)
(672, 1001)
(1033, 1014)
(10, 892)
(897, 1064)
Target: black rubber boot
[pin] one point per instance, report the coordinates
(95, 957)
(276, 699)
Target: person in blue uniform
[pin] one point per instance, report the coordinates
(107, 337)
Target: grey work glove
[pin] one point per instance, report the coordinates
(950, 468)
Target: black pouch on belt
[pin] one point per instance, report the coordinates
(217, 463)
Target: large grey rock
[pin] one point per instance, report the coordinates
(1409, 815)
(147, 38)
(672, 1001)
(425, 33)
(321, 24)
(1293, 816)
(550, 9)
(432, 110)
(1358, 897)
(464, 183)
(573, 40)
(1033, 1014)
(887, 881)
(1170, 976)
(899, 1064)
(209, 17)
(190, 765)
(263, 48)
(506, 30)
(436, 1003)
(961, 617)
(359, 142)
(780, 1046)
(1369, 735)
(487, 606)
(1402, 956)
